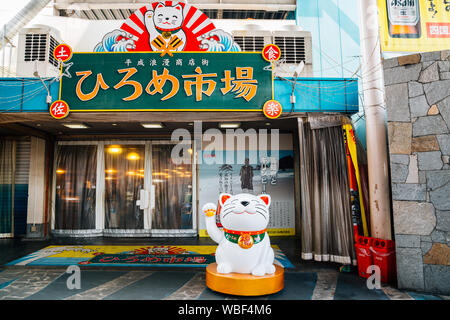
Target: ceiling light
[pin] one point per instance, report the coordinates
(157, 125)
(229, 125)
(115, 149)
(75, 125)
(133, 156)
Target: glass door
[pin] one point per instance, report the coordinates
(172, 190)
(123, 188)
(124, 183)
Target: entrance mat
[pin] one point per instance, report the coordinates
(127, 256)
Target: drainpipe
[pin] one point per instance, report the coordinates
(375, 110)
(12, 27)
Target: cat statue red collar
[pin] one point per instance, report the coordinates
(243, 244)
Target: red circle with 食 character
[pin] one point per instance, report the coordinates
(271, 52)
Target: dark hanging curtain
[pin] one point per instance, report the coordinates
(76, 168)
(173, 191)
(326, 224)
(6, 184)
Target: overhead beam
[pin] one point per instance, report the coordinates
(212, 6)
(140, 116)
(25, 130)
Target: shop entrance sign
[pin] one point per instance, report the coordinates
(189, 81)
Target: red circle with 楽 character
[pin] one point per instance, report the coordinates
(59, 109)
(271, 52)
(62, 52)
(272, 109)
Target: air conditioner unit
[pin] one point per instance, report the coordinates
(252, 38)
(295, 45)
(35, 52)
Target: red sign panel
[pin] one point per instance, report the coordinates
(438, 30)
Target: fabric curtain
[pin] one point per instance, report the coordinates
(6, 185)
(173, 191)
(326, 225)
(124, 178)
(76, 168)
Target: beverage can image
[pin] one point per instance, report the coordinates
(403, 18)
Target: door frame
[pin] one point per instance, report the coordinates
(147, 231)
(13, 186)
(179, 232)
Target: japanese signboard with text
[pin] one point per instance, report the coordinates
(184, 81)
(414, 25)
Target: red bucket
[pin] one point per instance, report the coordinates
(383, 252)
(363, 255)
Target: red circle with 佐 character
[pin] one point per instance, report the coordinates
(59, 109)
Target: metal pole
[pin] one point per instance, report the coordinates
(25, 15)
(374, 107)
(3, 50)
(11, 48)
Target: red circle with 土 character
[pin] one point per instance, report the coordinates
(271, 52)
(62, 52)
(272, 109)
(59, 109)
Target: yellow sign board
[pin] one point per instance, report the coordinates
(414, 25)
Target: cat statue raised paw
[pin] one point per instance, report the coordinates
(244, 245)
(167, 22)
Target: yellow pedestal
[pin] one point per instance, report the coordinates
(244, 284)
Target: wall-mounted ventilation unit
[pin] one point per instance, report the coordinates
(35, 52)
(252, 38)
(295, 45)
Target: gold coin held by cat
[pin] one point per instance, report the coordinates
(245, 241)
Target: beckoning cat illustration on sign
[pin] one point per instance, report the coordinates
(164, 27)
(244, 245)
